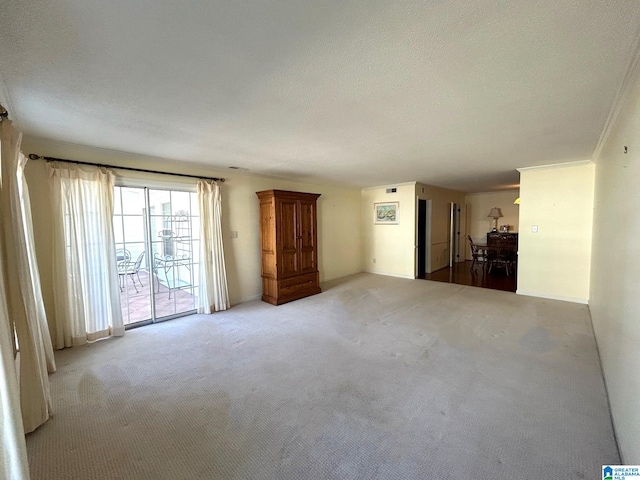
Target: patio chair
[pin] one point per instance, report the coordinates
(130, 268)
(123, 257)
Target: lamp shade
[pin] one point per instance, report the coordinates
(495, 213)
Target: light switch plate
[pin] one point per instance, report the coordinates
(534, 228)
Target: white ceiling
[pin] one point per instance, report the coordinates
(369, 92)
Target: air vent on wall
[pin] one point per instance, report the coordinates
(392, 190)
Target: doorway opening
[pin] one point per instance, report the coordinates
(424, 237)
(454, 234)
(450, 264)
(157, 249)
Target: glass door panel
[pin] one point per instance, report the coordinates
(174, 244)
(134, 279)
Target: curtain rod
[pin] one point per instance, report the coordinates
(33, 156)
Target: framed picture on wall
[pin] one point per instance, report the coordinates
(386, 213)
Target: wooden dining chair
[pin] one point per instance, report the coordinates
(476, 254)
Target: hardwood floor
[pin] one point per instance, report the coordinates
(461, 274)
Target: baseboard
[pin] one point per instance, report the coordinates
(397, 275)
(606, 389)
(329, 279)
(258, 296)
(246, 299)
(237, 301)
(584, 301)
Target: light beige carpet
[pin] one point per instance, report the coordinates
(377, 377)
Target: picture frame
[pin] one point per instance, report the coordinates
(386, 213)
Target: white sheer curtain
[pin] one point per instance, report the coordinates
(26, 308)
(31, 283)
(24, 400)
(214, 295)
(87, 296)
(13, 459)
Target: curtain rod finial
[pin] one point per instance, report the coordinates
(33, 156)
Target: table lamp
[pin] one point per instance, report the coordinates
(495, 214)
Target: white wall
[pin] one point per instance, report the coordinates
(339, 238)
(478, 207)
(393, 247)
(389, 249)
(615, 272)
(555, 261)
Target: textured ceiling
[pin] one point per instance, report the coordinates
(450, 93)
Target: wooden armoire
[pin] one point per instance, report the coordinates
(288, 245)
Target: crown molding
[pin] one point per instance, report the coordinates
(555, 165)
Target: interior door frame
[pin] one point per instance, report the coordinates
(454, 233)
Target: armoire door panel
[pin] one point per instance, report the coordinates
(307, 236)
(307, 260)
(307, 221)
(288, 241)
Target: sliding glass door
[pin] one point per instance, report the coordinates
(157, 250)
(175, 247)
(131, 237)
